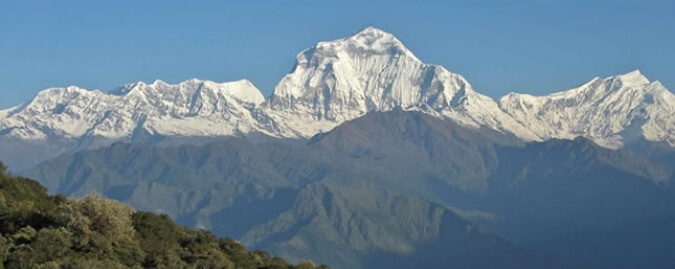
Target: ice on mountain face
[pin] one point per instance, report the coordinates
(659, 110)
(193, 107)
(372, 71)
(245, 91)
(242, 90)
(634, 78)
(610, 111)
(345, 78)
(371, 41)
(340, 80)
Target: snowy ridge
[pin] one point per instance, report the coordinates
(190, 108)
(610, 111)
(340, 80)
(372, 71)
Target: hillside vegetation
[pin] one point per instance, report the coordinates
(38, 230)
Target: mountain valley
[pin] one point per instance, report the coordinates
(363, 156)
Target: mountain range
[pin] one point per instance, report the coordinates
(399, 185)
(366, 157)
(330, 83)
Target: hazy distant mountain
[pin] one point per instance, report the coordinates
(394, 185)
(330, 83)
(657, 151)
(561, 197)
(580, 201)
(355, 223)
(255, 193)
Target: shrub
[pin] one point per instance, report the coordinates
(42, 231)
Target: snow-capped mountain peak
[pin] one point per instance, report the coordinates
(242, 90)
(610, 111)
(192, 107)
(633, 78)
(339, 80)
(335, 79)
(371, 40)
(372, 70)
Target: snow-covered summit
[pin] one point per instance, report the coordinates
(336, 81)
(372, 70)
(369, 41)
(242, 90)
(370, 56)
(192, 107)
(610, 111)
(634, 78)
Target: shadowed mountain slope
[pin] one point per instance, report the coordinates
(361, 191)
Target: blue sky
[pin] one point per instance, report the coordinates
(499, 46)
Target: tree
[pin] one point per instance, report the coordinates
(42, 231)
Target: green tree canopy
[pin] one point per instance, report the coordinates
(38, 230)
